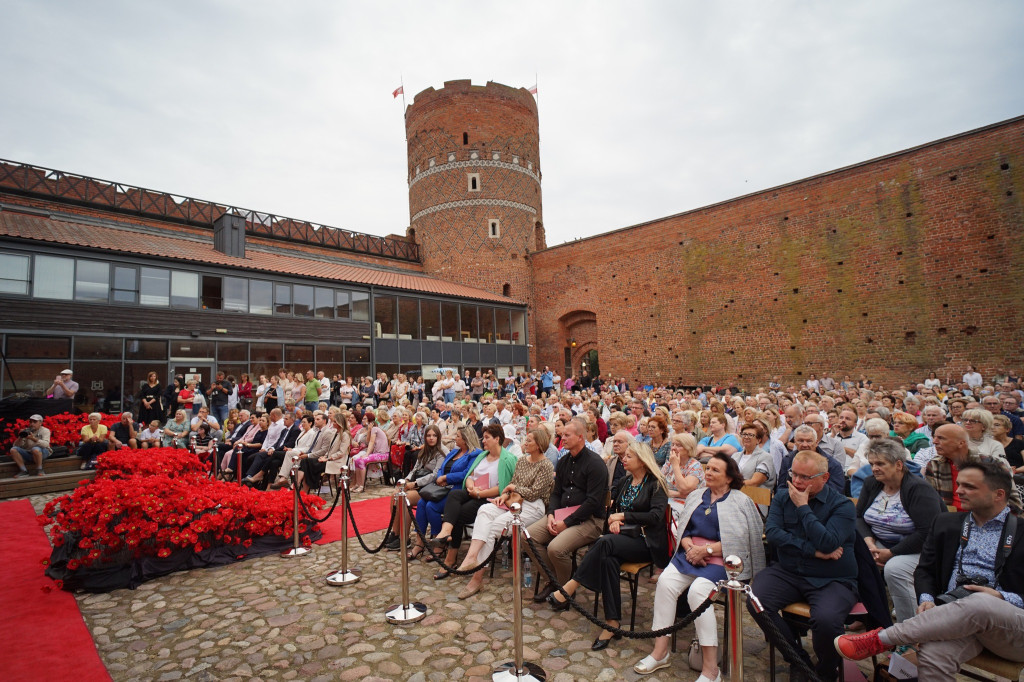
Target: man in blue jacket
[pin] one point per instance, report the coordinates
(812, 528)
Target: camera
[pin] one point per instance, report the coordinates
(24, 433)
(961, 591)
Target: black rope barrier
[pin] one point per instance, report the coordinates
(437, 555)
(779, 641)
(629, 634)
(309, 515)
(355, 528)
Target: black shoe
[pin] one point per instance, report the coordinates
(393, 544)
(543, 595)
(600, 644)
(557, 605)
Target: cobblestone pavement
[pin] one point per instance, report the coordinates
(275, 619)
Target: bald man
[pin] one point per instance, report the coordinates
(952, 451)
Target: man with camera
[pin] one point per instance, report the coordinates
(969, 581)
(32, 443)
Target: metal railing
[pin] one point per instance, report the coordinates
(47, 183)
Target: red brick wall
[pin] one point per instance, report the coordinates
(491, 130)
(892, 267)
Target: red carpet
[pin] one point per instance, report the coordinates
(371, 516)
(43, 631)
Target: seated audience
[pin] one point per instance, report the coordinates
(150, 437)
(123, 434)
(33, 443)
(94, 441)
(176, 430)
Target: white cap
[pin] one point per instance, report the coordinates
(510, 431)
(67, 371)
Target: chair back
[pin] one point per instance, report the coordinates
(758, 494)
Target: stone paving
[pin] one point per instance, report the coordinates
(275, 619)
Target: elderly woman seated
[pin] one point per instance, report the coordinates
(895, 510)
(716, 522)
(176, 431)
(93, 441)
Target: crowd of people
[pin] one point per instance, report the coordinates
(934, 470)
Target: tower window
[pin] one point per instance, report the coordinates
(506, 290)
(473, 181)
(465, 138)
(493, 228)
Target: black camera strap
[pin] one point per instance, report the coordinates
(1005, 543)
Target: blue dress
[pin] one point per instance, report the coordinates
(702, 525)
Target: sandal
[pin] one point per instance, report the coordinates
(649, 664)
(415, 552)
(441, 575)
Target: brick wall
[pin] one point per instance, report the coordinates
(892, 267)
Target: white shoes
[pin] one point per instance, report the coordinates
(650, 664)
(702, 678)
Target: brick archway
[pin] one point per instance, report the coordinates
(578, 327)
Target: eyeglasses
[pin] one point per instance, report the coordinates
(748, 435)
(972, 421)
(801, 477)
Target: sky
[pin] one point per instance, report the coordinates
(647, 109)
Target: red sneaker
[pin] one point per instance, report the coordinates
(859, 647)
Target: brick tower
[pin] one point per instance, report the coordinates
(474, 185)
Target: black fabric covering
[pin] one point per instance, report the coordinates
(20, 407)
(133, 572)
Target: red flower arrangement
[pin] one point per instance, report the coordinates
(65, 429)
(158, 502)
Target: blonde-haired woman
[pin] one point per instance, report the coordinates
(978, 424)
(634, 532)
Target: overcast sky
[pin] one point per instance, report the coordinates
(646, 108)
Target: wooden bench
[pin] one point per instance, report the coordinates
(988, 662)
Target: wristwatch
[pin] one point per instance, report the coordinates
(710, 551)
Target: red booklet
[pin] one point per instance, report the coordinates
(561, 514)
(494, 500)
(483, 481)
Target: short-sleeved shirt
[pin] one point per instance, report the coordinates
(888, 520)
(59, 392)
(88, 433)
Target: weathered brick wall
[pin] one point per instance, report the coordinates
(492, 131)
(892, 267)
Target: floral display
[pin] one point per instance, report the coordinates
(65, 429)
(161, 504)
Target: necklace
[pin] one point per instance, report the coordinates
(630, 493)
(711, 504)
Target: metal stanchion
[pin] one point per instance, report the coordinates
(343, 576)
(400, 614)
(736, 592)
(517, 669)
(297, 548)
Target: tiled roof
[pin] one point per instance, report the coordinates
(127, 240)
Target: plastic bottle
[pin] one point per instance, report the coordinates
(527, 573)
(505, 559)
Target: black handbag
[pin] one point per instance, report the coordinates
(420, 473)
(631, 530)
(433, 492)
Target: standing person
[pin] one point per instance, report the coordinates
(63, 386)
(311, 396)
(218, 398)
(988, 612)
(476, 387)
(577, 509)
(245, 392)
(149, 400)
(813, 528)
(171, 403)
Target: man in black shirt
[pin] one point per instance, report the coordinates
(581, 482)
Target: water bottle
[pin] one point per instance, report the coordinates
(527, 574)
(505, 559)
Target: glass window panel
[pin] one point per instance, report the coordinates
(360, 306)
(155, 286)
(13, 274)
(330, 369)
(261, 297)
(299, 354)
(97, 348)
(329, 354)
(486, 324)
(470, 328)
(234, 370)
(41, 347)
(408, 318)
(184, 289)
(54, 278)
(303, 300)
(192, 349)
(518, 327)
(430, 320)
(324, 299)
(449, 321)
(100, 387)
(92, 281)
(384, 316)
(357, 354)
(232, 351)
(144, 349)
(342, 307)
(236, 294)
(283, 299)
(390, 370)
(213, 292)
(126, 284)
(33, 378)
(264, 358)
(357, 371)
(502, 328)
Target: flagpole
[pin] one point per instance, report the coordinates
(536, 84)
(401, 82)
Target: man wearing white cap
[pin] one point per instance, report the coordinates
(63, 386)
(32, 443)
(510, 443)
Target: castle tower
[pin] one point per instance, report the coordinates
(474, 185)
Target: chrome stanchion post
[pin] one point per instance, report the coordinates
(297, 548)
(736, 593)
(343, 576)
(517, 669)
(400, 614)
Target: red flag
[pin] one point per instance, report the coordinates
(401, 91)
(533, 90)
